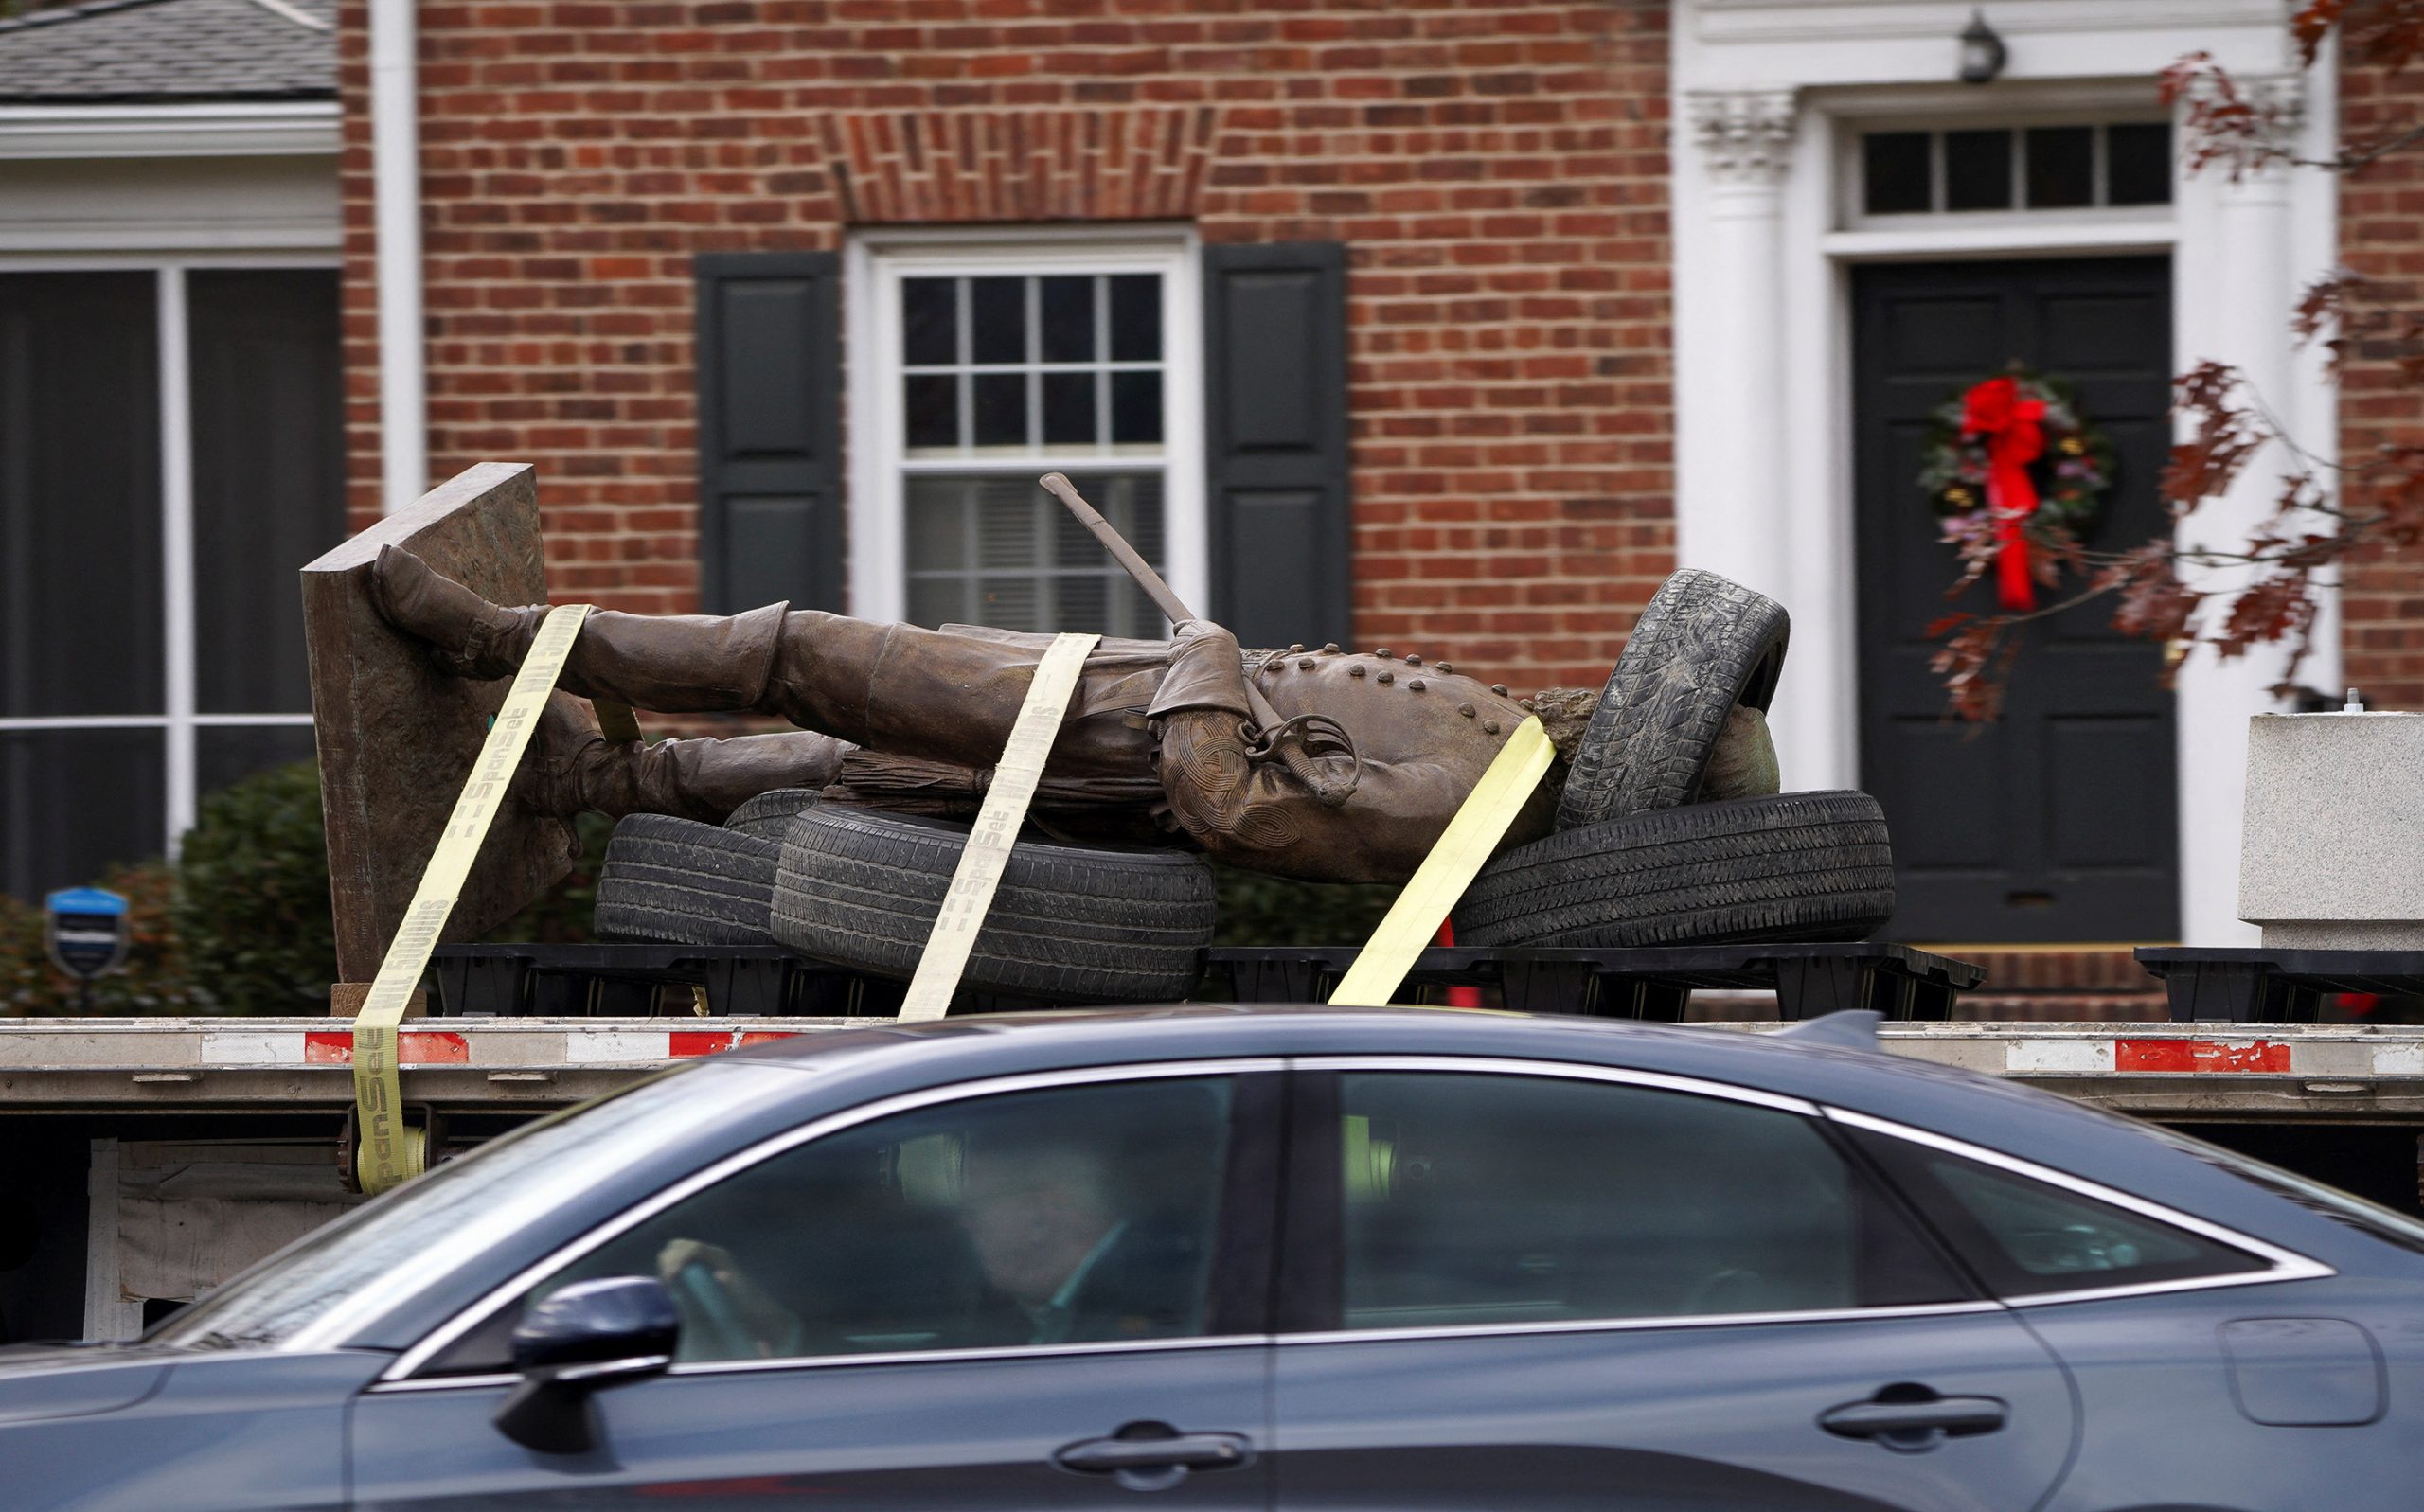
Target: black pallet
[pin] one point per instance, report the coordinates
(2255, 986)
(633, 981)
(1807, 979)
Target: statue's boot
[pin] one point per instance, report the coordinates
(911, 692)
(675, 664)
(572, 769)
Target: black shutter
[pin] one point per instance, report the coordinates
(1274, 325)
(770, 430)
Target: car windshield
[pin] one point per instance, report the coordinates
(2387, 1224)
(331, 1279)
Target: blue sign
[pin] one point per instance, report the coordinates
(85, 931)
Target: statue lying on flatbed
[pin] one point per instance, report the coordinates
(1158, 743)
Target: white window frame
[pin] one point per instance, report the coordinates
(874, 264)
(1851, 173)
(179, 719)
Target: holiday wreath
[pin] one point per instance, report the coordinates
(2010, 456)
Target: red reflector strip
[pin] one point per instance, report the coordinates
(425, 1047)
(684, 1043)
(2199, 1054)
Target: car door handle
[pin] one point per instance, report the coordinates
(1953, 1417)
(1192, 1452)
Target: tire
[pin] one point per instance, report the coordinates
(1795, 866)
(769, 813)
(1073, 923)
(1702, 645)
(681, 882)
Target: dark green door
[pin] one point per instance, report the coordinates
(2059, 822)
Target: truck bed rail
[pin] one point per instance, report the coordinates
(2336, 1072)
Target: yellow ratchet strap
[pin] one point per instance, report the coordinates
(1481, 822)
(988, 851)
(390, 1152)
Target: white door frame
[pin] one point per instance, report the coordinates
(1789, 79)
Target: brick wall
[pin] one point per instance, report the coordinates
(1498, 172)
(2381, 237)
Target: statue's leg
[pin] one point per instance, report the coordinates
(894, 687)
(675, 664)
(954, 698)
(575, 770)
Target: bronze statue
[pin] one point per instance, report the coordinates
(1160, 740)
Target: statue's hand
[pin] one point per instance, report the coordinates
(1205, 671)
(1187, 631)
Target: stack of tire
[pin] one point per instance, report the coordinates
(862, 888)
(1638, 859)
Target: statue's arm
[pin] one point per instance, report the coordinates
(1260, 814)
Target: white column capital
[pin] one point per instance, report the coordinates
(2277, 103)
(1746, 134)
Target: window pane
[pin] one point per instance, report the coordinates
(997, 319)
(932, 402)
(1009, 520)
(80, 495)
(1136, 317)
(2023, 1237)
(268, 477)
(1068, 319)
(227, 754)
(939, 527)
(1136, 408)
(2061, 167)
(1001, 409)
(1479, 1199)
(1977, 171)
(938, 601)
(73, 801)
(2137, 165)
(928, 321)
(1069, 413)
(998, 550)
(1067, 1216)
(1894, 173)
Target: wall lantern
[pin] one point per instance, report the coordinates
(1982, 51)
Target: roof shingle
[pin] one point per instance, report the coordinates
(128, 51)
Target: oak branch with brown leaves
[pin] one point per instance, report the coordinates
(2263, 590)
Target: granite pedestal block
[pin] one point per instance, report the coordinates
(2333, 853)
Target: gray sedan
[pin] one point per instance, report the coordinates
(1256, 1258)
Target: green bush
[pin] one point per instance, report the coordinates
(1258, 910)
(253, 906)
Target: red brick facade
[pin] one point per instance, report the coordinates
(2381, 237)
(1498, 173)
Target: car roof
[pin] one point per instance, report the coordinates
(1815, 1060)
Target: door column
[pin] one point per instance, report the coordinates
(2249, 331)
(1735, 470)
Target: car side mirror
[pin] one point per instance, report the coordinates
(580, 1339)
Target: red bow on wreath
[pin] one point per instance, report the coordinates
(2015, 436)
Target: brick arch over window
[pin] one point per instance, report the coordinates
(1135, 163)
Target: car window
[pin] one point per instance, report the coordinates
(2386, 1224)
(1475, 1199)
(1070, 1215)
(2027, 1238)
(349, 1270)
